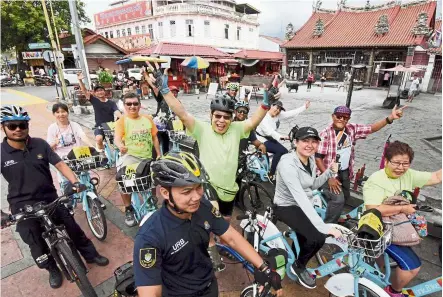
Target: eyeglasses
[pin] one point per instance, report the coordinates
(14, 126)
(132, 104)
(242, 111)
(342, 117)
(398, 164)
(226, 117)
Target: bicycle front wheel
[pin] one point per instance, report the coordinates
(74, 268)
(97, 221)
(253, 195)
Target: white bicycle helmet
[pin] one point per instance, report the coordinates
(13, 113)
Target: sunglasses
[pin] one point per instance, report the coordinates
(242, 111)
(132, 103)
(226, 117)
(14, 126)
(342, 117)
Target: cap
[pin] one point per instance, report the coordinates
(98, 87)
(279, 104)
(307, 132)
(342, 110)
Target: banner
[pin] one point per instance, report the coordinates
(32, 55)
(122, 14)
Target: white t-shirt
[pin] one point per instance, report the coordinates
(69, 137)
(41, 71)
(414, 85)
(344, 148)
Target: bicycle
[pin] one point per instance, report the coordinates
(112, 152)
(138, 188)
(92, 206)
(60, 245)
(253, 169)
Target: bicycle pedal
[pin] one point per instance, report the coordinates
(220, 267)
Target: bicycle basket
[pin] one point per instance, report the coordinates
(371, 248)
(134, 177)
(124, 280)
(84, 158)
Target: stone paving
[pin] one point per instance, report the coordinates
(422, 120)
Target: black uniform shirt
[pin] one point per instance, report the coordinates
(172, 252)
(28, 173)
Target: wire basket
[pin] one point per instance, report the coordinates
(86, 163)
(371, 248)
(135, 185)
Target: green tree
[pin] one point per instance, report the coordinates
(23, 22)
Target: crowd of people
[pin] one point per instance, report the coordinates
(175, 252)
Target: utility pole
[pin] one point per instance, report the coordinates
(79, 41)
(55, 28)
(61, 77)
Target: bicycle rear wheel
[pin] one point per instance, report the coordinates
(74, 268)
(97, 222)
(253, 195)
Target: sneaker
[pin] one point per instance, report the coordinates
(387, 289)
(304, 277)
(55, 277)
(216, 260)
(129, 218)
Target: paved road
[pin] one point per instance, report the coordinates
(422, 120)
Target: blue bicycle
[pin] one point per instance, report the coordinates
(111, 150)
(89, 198)
(140, 188)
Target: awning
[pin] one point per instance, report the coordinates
(211, 60)
(248, 62)
(327, 65)
(359, 66)
(298, 65)
(228, 61)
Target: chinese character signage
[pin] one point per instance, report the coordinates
(32, 55)
(122, 14)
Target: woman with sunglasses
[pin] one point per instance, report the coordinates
(63, 135)
(393, 179)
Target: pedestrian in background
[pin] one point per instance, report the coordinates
(310, 80)
(322, 81)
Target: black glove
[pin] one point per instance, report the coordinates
(70, 189)
(5, 219)
(268, 276)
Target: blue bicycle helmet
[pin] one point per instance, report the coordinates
(13, 113)
(242, 104)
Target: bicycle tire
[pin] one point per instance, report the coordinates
(249, 292)
(74, 268)
(262, 200)
(95, 207)
(362, 288)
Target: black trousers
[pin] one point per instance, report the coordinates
(336, 202)
(210, 291)
(309, 238)
(309, 85)
(275, 147)
(31, 233)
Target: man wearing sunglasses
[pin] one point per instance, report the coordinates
(135, 136)
(25, 166)
(338, 139)
(104, 109)
(241, 114)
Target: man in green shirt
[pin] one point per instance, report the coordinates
(390, 181)
(219, 140)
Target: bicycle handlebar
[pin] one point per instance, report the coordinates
(266, 290)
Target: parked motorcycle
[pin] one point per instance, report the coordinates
(43, 80)
(11, 81)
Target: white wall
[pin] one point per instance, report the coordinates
(216, 38)
(268, 45)
(100, 47)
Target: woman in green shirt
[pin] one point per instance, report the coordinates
(387, 182)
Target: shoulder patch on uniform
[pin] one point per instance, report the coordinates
(216, 212)
(147, 257)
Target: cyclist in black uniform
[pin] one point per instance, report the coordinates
(25, 166)
(170, 252)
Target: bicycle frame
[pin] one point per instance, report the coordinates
(320, 205)
(142, 209)
(111, 154)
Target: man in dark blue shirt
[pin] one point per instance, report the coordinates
(104, 109)
(241, 114)
(170, 252)
(25, 166)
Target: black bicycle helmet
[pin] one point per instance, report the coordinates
(178, 169)
(222, 103)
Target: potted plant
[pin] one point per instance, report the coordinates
(105, 79)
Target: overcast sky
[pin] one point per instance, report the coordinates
(275, 14)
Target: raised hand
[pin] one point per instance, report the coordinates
(397, 112)
(307, 104)
(80, 76)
